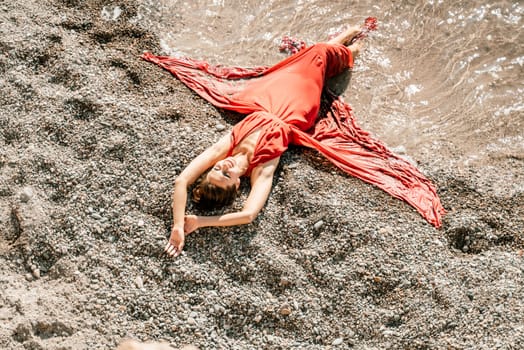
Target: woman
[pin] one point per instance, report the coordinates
(282, 103)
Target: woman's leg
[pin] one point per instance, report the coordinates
(356, 47)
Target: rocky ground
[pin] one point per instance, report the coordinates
(91, 138)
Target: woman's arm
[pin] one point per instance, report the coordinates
(189, 175)
(261, 183)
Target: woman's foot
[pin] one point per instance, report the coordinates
(346, 36)
(351, 32)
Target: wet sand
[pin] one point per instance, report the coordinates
(91, 139)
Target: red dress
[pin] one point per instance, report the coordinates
(286, 100)
(283, 101)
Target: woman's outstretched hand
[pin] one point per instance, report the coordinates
(176, 242)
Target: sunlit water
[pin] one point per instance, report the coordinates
(441, 81)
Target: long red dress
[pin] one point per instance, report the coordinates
(283, 101)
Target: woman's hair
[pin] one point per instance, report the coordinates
(207, 195)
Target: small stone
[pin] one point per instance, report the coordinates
(385, 230)
(400, 150)
(404, 283)
(36, 273)
(188, 347)
(220, 127)
(318, 225)
(284, 282)
(139, 282)
(28, 277)
(337, 342)
(285, 310)
(218, 308)
(191, 321)
(96, 216)
(140, 223)
(26, 194)
(257, 318)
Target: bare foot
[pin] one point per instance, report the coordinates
(346, 36)
(350, 33)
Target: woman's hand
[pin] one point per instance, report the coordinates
(176, 242)
(190, 223)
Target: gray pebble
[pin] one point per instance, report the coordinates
(218, 308)
(337, 342)
(26, 194)
(318, 225)
(139, 282)
(385, 230)
(399, 150)
(96, 216)
(220, 127)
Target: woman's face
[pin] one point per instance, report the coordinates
(225, 173)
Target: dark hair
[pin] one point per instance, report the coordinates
(207, 195)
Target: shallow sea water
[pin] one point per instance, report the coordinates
(439, 81)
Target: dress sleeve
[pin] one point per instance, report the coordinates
(338, 58)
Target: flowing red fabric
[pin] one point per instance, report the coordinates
(284, 101)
